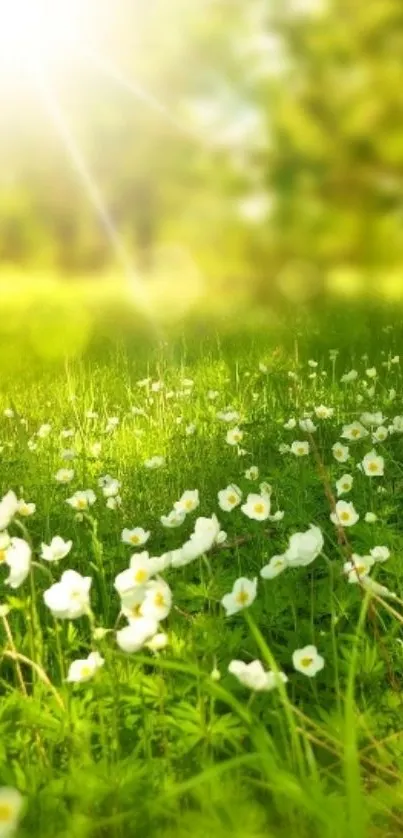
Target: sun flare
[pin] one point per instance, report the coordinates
(39, 33)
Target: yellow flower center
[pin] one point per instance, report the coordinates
(140, 575)
(6, 812)
(345, 516)
(3, 556)
(305, 662)
(159, 599)
(355, 433)
(81, 503)
(259, 508)
(86, 671)
(373, 466)
(242, 598)
(232, 498)
(135, 539)
(189, 504)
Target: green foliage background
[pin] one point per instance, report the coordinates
(261, 140)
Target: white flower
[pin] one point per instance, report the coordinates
(397, 424)
(344, 515)
(308, 661)
(304, 547)
(141, 569)
(252, 473)
(370, 517)
(344, 484)
(64, 475)
(68, 454)
(69, 598)
(188, 502)
(229, 498)
(323, 412)
(84, 670)
(262, 367)
(114, 502)
(111, 489)
(44, 431)
(257, 507)
(190, 429)
(354, 431)
(95, 449)
(208, 529)
(290, 424)
(25, 509)
(56, 550)
(313, 364)
(8, 508)
(278, 516)
(112, 424)
(174, 519)
(157, 600)
(18, 559)
(8, 413)
(242, 595)
(228, 415)
(5, 542)
(349, 376)
(135, 537)
(155, 462)
(253, 676)
(380, 434)
(11, 803)
(135, 635)
(372, 419)
(373, 465)
(300, 448)
(82, 499)
(275, 566)
(234, 436)
(283, 448)
(266, 489)
(158, 642)
(380, 554)
(307, 426)
(358, 567)
(371, 373)
(206, 535)
(341, 452)
(67, 433)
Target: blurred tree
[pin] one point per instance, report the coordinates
(263, 138)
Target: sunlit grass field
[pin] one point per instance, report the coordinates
(164, 740)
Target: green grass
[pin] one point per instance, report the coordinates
(153, 745)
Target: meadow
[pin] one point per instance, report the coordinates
(201, 587)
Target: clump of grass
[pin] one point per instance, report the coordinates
(167, 741)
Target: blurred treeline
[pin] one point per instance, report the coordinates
(262, 141)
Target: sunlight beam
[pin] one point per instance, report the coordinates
(111, 71)
(94, 195)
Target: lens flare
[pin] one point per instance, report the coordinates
(34, 33)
